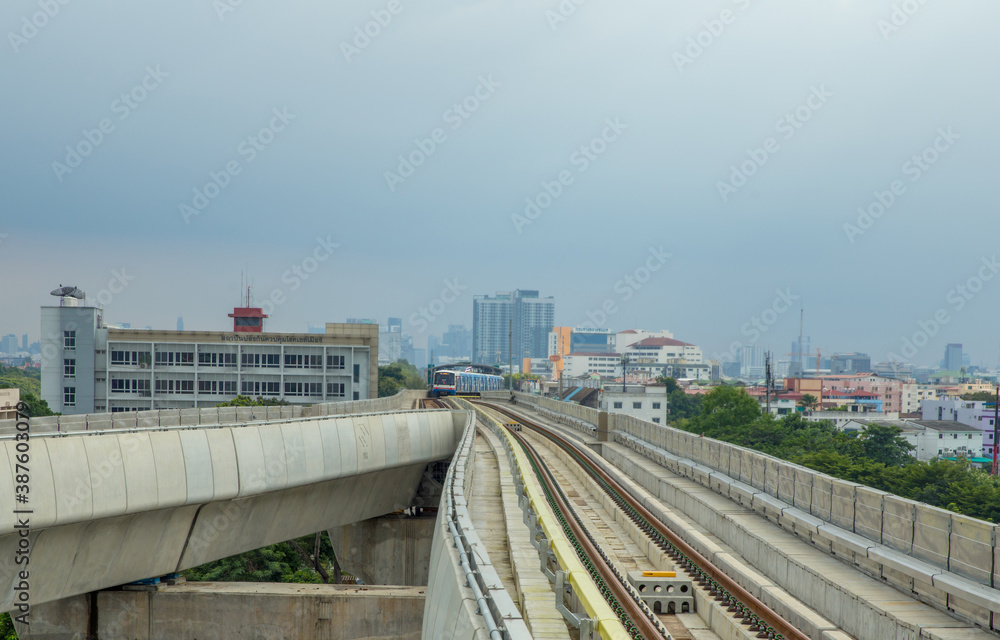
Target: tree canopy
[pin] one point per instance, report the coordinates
(981, 396)
(247, 401)
(392, 378)
(29, 381)
(878, 457)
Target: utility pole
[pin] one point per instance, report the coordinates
(767, 380)
(624, 369)
(510, 352)
(996, 427)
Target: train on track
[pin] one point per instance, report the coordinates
(463, 382)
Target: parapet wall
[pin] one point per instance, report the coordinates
(946, 559)
(208, 415)
(465, 597)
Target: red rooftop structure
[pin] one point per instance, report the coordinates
(248, 319)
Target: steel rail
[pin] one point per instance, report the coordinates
(643, 620)
(743, 604)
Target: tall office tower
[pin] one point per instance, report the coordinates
(953, 357)
(752, 362)
(180, 323)
(517, 320)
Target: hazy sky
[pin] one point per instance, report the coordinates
(722, 145)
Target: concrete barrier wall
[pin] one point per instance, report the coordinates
(112, 508)
(209, 415)
(452, 610)
(943, 558)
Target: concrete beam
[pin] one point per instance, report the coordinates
(391, 550)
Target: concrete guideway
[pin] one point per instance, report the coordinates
(110, 508)
(797, 551)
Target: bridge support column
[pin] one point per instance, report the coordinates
(391, 550)
(233, 611)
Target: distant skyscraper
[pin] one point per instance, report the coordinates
(850, 363)
(953, 357)
(8, 344)
(457, 342)
(180, 323)
(395, 324)
(24, 342)
(752, 363)
(529, 317)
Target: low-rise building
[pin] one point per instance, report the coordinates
(8, 403)
(644, 402)
(941, 439)
(89, 367)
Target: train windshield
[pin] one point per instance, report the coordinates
(446, 378)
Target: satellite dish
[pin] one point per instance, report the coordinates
(69, 292)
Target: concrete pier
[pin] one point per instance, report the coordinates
(234, 611)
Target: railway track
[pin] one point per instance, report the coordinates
(636, 617)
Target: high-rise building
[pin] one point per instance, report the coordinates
(24, 342)
(517, 320)
(180, 323)
(458, 340)
(953, 357)
(8, 344)
(848, 363)
(395, 324)
(752, 363)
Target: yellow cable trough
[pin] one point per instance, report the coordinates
(607, 623)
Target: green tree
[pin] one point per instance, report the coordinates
(809, 402)
(247, 401)
(882, 443)
(981, 396)
(392, 378)
(725, 409)
(7, 628)
(304, 560)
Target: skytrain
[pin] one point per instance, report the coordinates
(464, 382)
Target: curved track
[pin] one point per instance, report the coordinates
(740, 603)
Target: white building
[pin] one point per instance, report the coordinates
(88, 367)
(914, 395)
(8, 403)
(646, 403)
(624, 339)
(942, 439)
(607, 365)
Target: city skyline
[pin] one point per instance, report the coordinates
(636, 174)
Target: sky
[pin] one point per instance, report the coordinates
(708, 168)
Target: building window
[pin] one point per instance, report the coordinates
(69, 339)
(69, 367)
(357, 373)
(356, 396)
(656, 405)
(637, 405)
(618, 405)
(335, 389)
(656, 420)
(69, 396)
(336, 362)
(175, 386)
(266, 360)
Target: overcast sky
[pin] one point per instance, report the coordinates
(721, 145)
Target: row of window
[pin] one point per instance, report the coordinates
(638, 405)
(215, 359)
